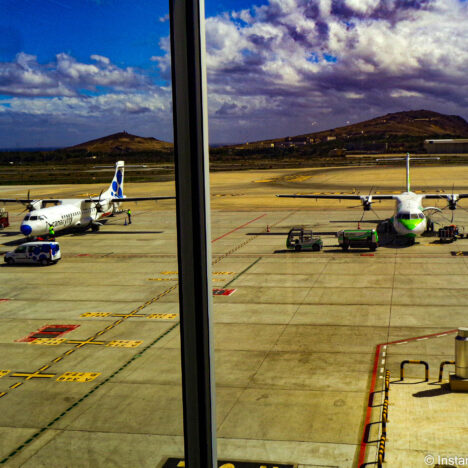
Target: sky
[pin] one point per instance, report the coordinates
(75, 70)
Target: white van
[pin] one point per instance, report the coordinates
(43, 253)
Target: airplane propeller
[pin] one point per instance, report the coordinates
(30, 205)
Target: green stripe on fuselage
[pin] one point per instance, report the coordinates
(410, 224)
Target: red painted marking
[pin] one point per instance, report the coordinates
(223, 292)
(4, 300)
(367, 255)
(362, 451)
(48, 331)
(239, 227)
(82, 255)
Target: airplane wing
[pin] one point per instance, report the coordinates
(446, 196)
(136, 199)
(343, 197)
(29, 200)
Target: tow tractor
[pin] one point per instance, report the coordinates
(358, 238)
(4, 221)
(302, 239)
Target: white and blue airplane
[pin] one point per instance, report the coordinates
(75, 212)
(409, 219)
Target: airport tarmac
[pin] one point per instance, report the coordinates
(299, 344)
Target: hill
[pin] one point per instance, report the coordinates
(417, 124)
(123, 142)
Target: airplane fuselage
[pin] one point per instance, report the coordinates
(69, 213)
(409, 219)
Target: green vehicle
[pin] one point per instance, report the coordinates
(358, 238)
(303, 239)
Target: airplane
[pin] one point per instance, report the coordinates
(409, 219)
(75, 212)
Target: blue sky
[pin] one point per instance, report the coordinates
(76, 70)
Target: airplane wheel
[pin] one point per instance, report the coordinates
(297, 248)
(10, 261)
(373, 247)
(316, 247)
(95, 228)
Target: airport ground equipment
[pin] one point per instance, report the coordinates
(358, 238)
(414, 361)
(441, 368)
(4, 221)
(303, 239)
(449, 233)
(459, 380)
(42, 253)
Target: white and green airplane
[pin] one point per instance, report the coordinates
(409, 219)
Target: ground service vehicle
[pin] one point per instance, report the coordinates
(449, 233)
(358, 238)
(43, 253)
(302, 239)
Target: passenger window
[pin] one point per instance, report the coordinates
(20, 249)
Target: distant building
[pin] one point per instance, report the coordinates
(449, 146)
(331, 138)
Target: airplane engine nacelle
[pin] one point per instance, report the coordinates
(367, 205)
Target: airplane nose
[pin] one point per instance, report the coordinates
(26, 229)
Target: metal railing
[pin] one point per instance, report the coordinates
(414, 361)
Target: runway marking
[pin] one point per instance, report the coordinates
(4, 300)
(95, 314)
(131, 314)
(242, 272)
(32, 375)
(239, 227)
(78, 376)
(4, 372)
(223, 292)
(48, 331)
(48, 341)
(124, 343)
(162, 316)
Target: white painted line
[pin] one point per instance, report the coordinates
(382, 362)
(420, 339)
(381, 370)
(402, 342)
(380, 376)
(384, 354)
(443, 334)
(385, 347)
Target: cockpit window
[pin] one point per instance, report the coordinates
(414, 215)
(26, 217)
(33, 218)
(403, 216)
(421, 216)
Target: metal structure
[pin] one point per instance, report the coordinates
(461, 353)
(193, 230)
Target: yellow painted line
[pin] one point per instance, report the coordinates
(162, 316)
(78, 376)
(100, 333)
(47, 341)
(58, 359)
(16, 385)
(4, 372)
(118, 322)
(108, 327)
(124, 343)
(163, 279)
(95, 314)
(44, 367)
(69, 352)
(2, 394)
(169, 272)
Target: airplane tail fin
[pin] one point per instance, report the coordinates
(117, 185)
